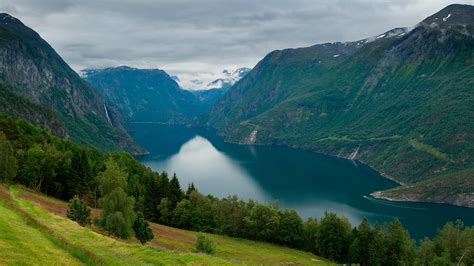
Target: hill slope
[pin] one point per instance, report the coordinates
(144, 94)
(400, 101)
(65, 240)
(30, 67)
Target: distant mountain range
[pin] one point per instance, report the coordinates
(152, 95)
(228, 79)
(401, 102)
(37, 85)
(149, 95)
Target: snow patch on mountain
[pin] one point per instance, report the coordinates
(223, 80)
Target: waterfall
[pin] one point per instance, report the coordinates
(354, 154)
(107, 114)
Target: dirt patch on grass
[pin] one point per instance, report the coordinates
(52, 205)
(5, 194)
(172, 235)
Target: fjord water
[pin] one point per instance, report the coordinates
(308, 182)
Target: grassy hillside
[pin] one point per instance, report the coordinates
(33, 227)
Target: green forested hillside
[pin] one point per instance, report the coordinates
(21, 107)
(400, 102)
(31, 68)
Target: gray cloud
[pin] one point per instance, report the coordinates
(198, 39)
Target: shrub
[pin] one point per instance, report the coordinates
(204, 244)
(79, 212)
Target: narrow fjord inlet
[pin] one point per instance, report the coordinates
(308, 182)
(162, 132)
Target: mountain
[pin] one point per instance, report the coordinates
(216, 88)
(230, 78)
(49, 93)
(400, 102)
(144, 94)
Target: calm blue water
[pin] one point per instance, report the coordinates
(308, 182)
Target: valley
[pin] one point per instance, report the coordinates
(356, 152)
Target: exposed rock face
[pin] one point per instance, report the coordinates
(31, 68)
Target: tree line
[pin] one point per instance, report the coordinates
(129, 194)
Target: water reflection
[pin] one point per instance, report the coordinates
(308, 182)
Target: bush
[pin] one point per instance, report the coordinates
(204, 244)
(79, 212)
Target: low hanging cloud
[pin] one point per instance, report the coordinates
(198, 39)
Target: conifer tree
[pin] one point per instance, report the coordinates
(142, 229)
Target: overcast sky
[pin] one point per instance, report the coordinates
(198, 39)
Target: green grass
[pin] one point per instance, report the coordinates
(429, 149)
(21, 243)
(85, 246)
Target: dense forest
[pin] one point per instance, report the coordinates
(129, 194)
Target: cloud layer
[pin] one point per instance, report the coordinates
(198, 39)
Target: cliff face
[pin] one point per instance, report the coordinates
(30, 67)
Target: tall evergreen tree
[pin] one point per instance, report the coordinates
(191, 188)
(175, 192)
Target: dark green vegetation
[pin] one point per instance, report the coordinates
(142, 229)
(149, 95)
(204, 244)
(125, 187)
(37, 85)
(79, 212)
(400, 102)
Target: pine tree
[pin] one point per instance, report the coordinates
(191, 188)
(142, 229)
(175, 192)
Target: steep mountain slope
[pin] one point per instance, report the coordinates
(30, 67)
(401, 101)
(144, 94)
(19, 106)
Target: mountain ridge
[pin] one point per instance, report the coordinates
(387, 100)
(31, 68)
